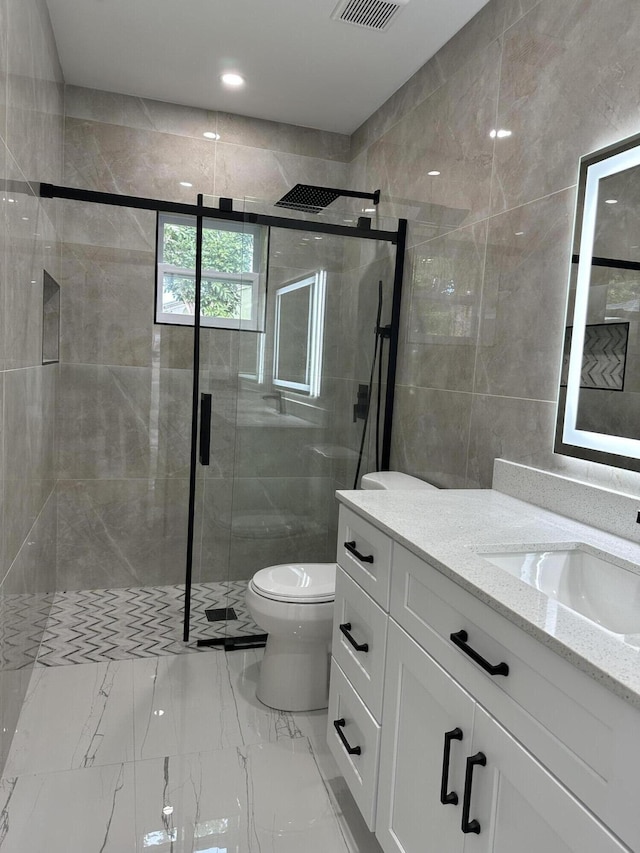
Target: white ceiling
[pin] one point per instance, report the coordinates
(300, 66)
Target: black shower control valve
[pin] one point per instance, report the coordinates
(638, 517)
(362, 403)
(383, 331)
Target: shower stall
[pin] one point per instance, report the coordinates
(216, 373)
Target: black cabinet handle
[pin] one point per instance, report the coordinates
(451, 798)
(471, 825)
(359, 647)
(351, 548)
(460, 640)
(339, 725)
(205, 428)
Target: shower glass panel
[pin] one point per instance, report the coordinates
(124, 416)
(284, 435)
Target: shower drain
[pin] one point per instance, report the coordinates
(220, 614)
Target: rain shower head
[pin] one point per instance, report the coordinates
(310, 199)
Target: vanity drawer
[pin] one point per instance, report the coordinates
(360, 730)
(364, 552)
(572, 724)
(359, 621)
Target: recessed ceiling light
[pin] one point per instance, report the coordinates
(519, 233)
(611, 201)
(25, 218)
(185, 184)
(433, 173)
(501, 134)
(232, 79)
(369, 210)
(209, 134)
(167, 810)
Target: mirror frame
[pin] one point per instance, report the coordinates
(570, 441)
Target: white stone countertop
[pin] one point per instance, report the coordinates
(444, 527)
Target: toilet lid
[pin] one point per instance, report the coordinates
(297, 582)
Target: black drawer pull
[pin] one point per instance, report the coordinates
(471, 825)
(351, 548)
(359, 647)
(451, 798)
(339, 725)
(460, 640)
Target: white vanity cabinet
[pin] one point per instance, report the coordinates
(552, 752)
(453, 779)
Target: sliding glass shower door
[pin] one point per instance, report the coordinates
(287, 385)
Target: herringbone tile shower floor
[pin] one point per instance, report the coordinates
(88, 626)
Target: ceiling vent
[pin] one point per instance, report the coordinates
(373, 14)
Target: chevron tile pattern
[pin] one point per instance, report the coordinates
(23, 620)
(89, 626)
(604, 356)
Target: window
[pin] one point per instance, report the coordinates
(232, 291)
(299, 334)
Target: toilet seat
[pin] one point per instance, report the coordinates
(297, 583)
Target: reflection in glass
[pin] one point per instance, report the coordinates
(299, 334)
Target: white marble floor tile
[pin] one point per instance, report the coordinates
(258, 723)
(75, 811)
(262, 798)
(74, 716)
(182, 704)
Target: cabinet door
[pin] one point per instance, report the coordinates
(521, 807)
(421, 703)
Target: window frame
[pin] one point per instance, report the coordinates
(254, 279)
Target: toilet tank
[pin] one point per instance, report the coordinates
(393, 480)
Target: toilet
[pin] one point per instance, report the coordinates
(293, 604)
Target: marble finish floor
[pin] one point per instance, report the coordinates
(171, 753)
(89, 626)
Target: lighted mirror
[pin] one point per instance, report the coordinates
(299, 334)
(599, 401)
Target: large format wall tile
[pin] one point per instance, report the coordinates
(135, 162)
(442, 311)
(119, 533)
(524, 299)
(449, 133)
(431, 435)
(34, 91)
(569, 78)
(116, 422)
(260, 173)
(108, 306)
(508, 428)
(29, 449)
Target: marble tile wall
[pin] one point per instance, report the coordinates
(31, 141)
(125, 383)
(487, 269)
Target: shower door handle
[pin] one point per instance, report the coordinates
(205, 428)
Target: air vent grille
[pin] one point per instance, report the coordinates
(373, 14)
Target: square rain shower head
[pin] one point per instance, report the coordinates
(308, 199)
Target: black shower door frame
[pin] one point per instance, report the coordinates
(225, 212)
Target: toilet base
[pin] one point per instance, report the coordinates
(294, 675)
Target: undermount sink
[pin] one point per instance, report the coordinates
(602, 591)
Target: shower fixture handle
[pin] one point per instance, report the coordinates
(205, 428)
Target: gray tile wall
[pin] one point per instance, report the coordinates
(125, 383)
(31, 123)
(487, 270)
